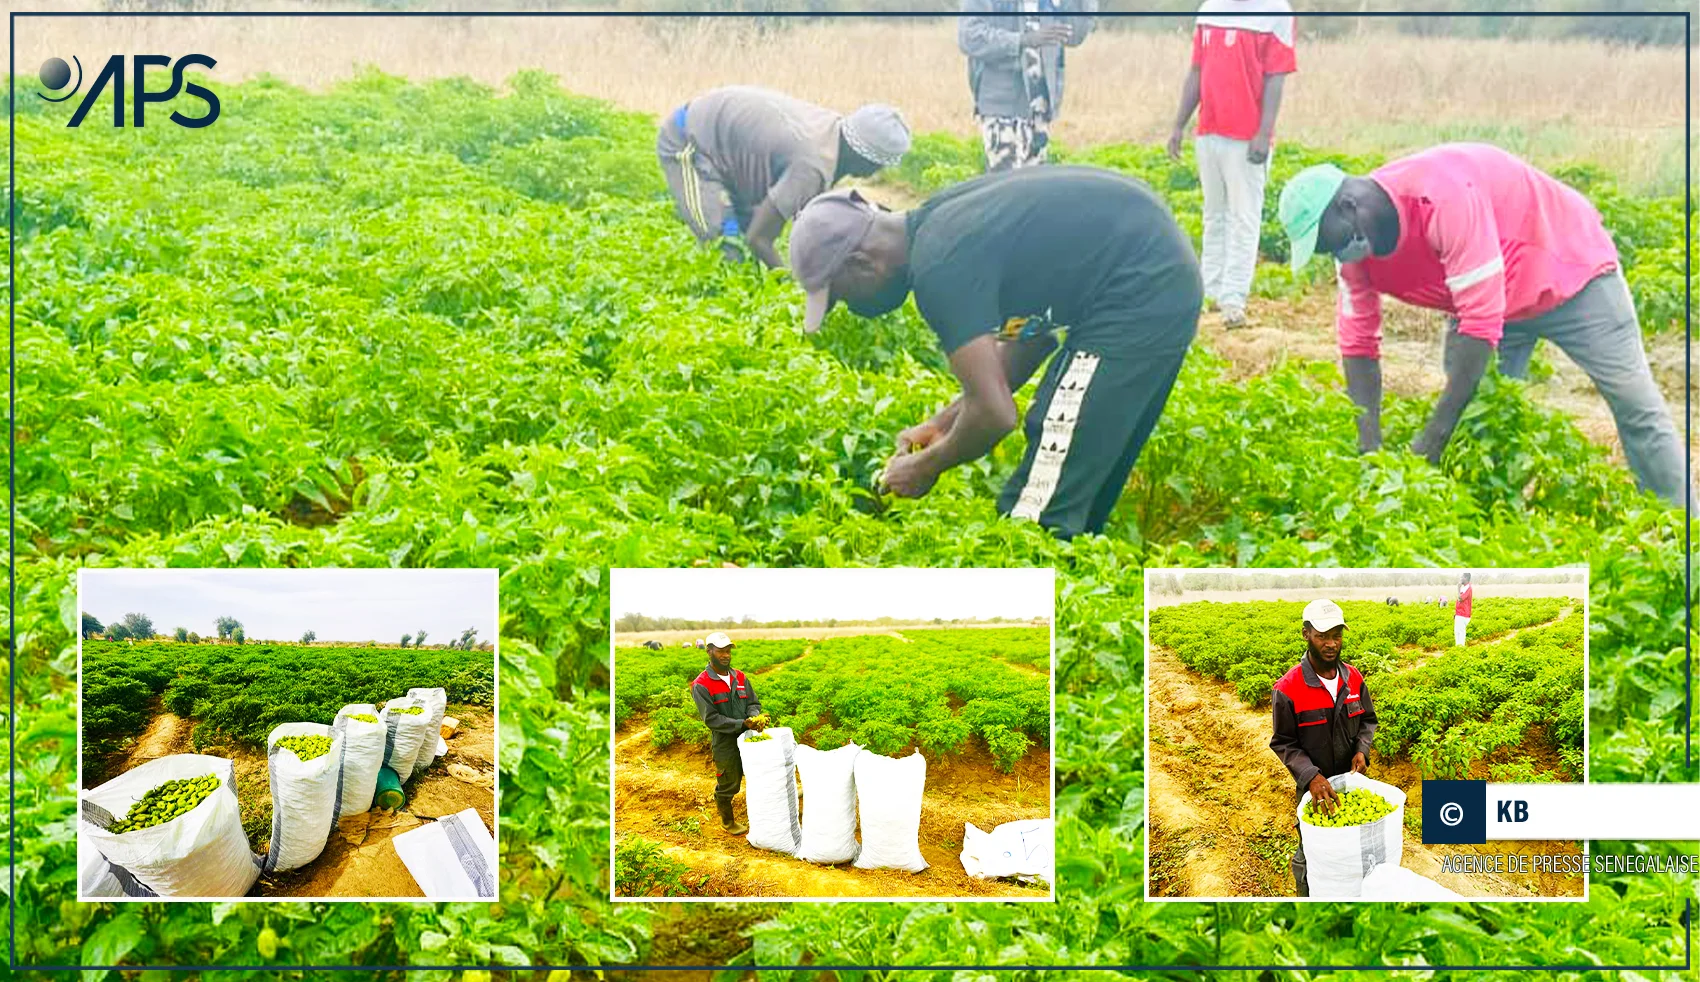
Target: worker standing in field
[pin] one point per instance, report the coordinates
(1016, 52)
(1461, 613)
(1512, 256)
(740, 161)
(727, 704)
(997, 264)
(1242, 53)
(1324, 720)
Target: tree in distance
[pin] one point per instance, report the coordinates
(134, 627)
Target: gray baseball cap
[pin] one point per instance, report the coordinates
(878, 134)
(824, 234)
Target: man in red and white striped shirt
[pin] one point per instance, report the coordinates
(1513, 256)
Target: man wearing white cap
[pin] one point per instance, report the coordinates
(742, 161)
(727, 704)
(998, 265)
(1324, 720)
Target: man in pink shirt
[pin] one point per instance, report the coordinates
(1242, 52)
(1512, 256)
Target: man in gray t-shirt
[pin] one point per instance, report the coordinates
(742, 161)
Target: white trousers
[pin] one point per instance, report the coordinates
(1233, 217)
(1458, 626)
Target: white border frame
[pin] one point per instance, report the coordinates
(1145, 830)
(613, 829)
(495, 720)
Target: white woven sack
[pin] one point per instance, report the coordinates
(202, 853)
(304, 797)
(362, 757)
(434, 701)
(770, 789)
(403, 735)
(1337, 860)
(829, 804)
(888, 798)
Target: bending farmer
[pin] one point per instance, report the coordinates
(1324, 720)
(727, 705)
(997, 264)
(1513, 256)
(741, 161)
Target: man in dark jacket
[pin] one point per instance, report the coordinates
(1015, 52)
(1324, 720)
(727, 705)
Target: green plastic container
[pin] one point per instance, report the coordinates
(389, 794)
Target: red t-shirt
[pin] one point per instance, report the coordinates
(1232, 63)
(1463, 608)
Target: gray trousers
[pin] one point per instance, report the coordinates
(1598, 329)
(700, 197)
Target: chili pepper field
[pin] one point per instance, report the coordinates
(1507, 707)
(975, 703)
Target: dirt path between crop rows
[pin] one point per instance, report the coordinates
(166, 732)
(359, 859)
(1220, 805)
(668, 796)
(808, 650)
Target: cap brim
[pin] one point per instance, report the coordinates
(820, 301)
(1326, 626)
(1304, 246)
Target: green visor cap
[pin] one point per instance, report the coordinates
(1303, 201)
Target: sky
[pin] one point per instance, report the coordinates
(825, 594)
(283, 604)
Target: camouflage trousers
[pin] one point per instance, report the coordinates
(1012, 142)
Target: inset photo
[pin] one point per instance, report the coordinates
(251, 734)
(833, 734)
(1291, 717)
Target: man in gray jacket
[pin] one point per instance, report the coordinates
(1015, 52)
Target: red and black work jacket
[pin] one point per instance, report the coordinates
(1316, 734)
(723, 706)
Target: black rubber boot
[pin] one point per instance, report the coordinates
(727, 822)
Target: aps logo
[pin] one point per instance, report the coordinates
(56, 77)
